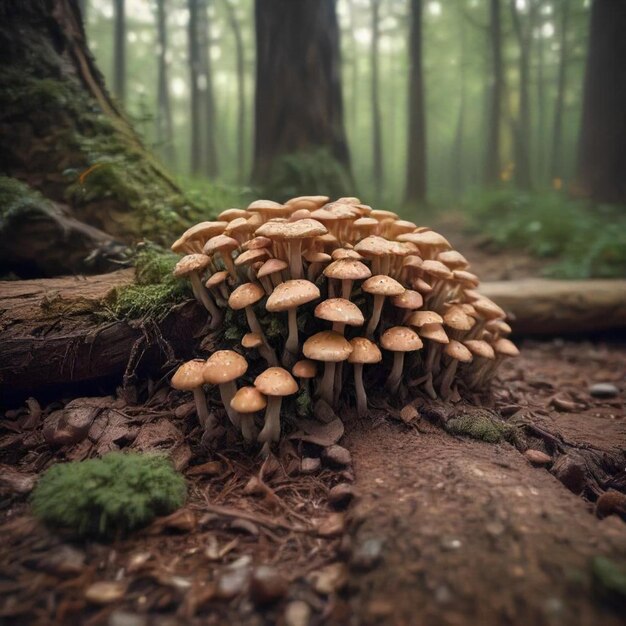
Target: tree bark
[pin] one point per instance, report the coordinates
(377, 140)
(211, 166)
(195, 156)
(602, 144)
(416, 161)
(119, 50)
(458, 143)
(298, 101)
(164, 126)
(492, 155)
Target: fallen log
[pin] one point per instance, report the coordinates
(556, 307)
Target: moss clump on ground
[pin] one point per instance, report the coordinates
(155, 289)
(479, 424)
(107, 497)
(609, 580)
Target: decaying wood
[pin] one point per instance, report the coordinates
(546, 307)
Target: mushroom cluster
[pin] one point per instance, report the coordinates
(352, 287)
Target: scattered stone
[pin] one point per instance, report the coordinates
(212, 468)
(537, 457)
(337, 456)
(183, 520)
(297, 613)
(138, 561)
(367, 554)
(63, 561)
(123, 618)
(70, 425)
(13, 481)
(331, 526)
(329, 579)
(105, 592)
(570, 470)
(310, 465)
(341, 495)
(611, 503)
(409, 414)
(245, 526)
(603, 390)
(323, 411)
(234, 581)
(267, 585)
(450, 543)
(563, 404)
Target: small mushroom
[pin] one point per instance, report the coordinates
(399, 339)
(347, 271)
(457, 353)
(380, 287)
(248, 401)
(222, 368)
(340, 312)
(223, 245)
(363, 352)
(189, 377)
(305, 370)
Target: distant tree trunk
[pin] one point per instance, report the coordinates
(209, 152)
(377, 140)
(541, 135)
(492, 156)
(416, 161)
(241, 91)
(298, 102)
(458, 143)
(556, 164)
(83, 10)
(602, 147)
(119, 50)
(195, 124)
(354, 71)
(164, 127)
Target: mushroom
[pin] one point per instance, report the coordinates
(199, 234)
(270, 273)
(222, 368)
(399, 339)
(363, 352)
(429, 242)
(223, 245)
(217, 285)
(408, 301)
(305, 369)
(247, 401)
(380, 287)
(340, 312)
(188, 377)
(232, 214)
(457, 353)
(192, 266)
(330, 348)
(315, 260)
(275, 383)
(437, 337)
(288, 297)
(347, 271)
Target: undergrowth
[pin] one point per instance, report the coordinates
(108, 497)
(480, 425)
(583, 240)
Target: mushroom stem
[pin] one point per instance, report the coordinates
(327, 383)
(446, 381)
(361, 396)
(201, 408)
(346, 288)
(271, 428)
(292, 340)
(264, 349)
(227, 392)
(373, 323)
(202, 295)
(229, 264)
(295, 258)
(393, 382)
(248, 429)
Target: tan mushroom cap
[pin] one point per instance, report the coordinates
(426, 239)
(251, 256)
(481, 348)
(505, 347)
(271, 266)
(256, 242)
(437, 269)
(224, 366)
(487, 308)
(188, 376)
(498, 326)
(453, 259)
(327, 346)
(245, 295)
(401, 339)
(276, 381)
(313, 256)
(307, 202)
(345, 253)
(341, 311)
(456, 350)
(231, 214)
(420, 318)
(410, 300)
(239, 225)
(366, 222)
(467, 279)
(191, 263)
(434, 332)
(348, 200)
(305, 368)
(379, 215)
(364, 351)
(347, 269)
(220, 243)
(375, 246)
(412, 260)
(457, 319)
(382, 285)
(269, 207)
(248, 400)
(204, 230)
(216, 279)
(300, 229)
(251, 340)
(291, 294)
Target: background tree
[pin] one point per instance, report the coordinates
(298, 101)
(377, 139)
(195, 61)
(492, 147)
(164, 128)
(416, 161)
(209, 151)
(119, 50)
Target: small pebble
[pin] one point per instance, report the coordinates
(267, 585)
(337, 456)
(611, 502)
(297, 613)
(341, 495)
(232, 583)
(537, 457)
(105, 592)
(409, 414)
(62, 561)
(570, 470)
(603, 390)
(332, 525)
(450, 543)
(329, 579)
(367, 553)
(123, 618)
(310, 465)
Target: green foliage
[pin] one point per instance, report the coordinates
(304, 403)
(584, 241)
(109, 496)
(609, 580)
(212, 198)
(310, 172)
(479, 424)
(17, 199)
(155, 289)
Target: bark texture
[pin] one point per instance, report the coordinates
(492, 154)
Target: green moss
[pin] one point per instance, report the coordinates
(304, 403)
(17, 200)
(609, 580)
(109, 496)
(480, 424)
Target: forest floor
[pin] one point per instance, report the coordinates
(426, 523)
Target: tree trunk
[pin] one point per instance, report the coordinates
(119, 50)
(354, 71)
(164, 127)
(541, 134)
(298, 102)
(492, 156)
(63, 135)
(458, 143)
(210, 160)
(241, 91)
(602, 146)
(377, 140)
(416, 161)
(195, 156)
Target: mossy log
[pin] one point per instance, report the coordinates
(53, 332)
